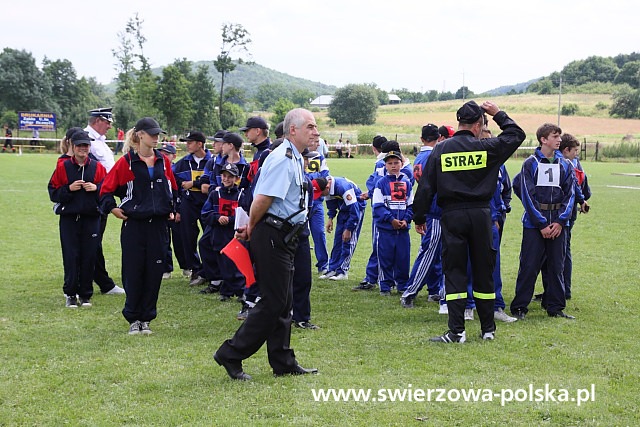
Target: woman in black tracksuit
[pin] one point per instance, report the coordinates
(145, 184)
(74, 189)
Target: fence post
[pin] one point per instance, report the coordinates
(597, 150)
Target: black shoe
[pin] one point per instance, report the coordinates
(538, 297)
(234, 369)
(561, 314)
(297, 370)
(225, 297)
(211, 289)
(305, 325)
(244, 312)
(364, 286)
(407, 302)
(519, 314)
(450, 337)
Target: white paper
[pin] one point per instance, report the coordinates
(242, 219)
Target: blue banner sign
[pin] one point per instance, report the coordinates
(29, 120)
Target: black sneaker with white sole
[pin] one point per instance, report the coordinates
(450, 337)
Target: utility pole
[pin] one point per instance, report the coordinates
(463, 91)
(559, 98)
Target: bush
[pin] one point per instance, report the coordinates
(621, 151)
(569, 109)
(602, 106)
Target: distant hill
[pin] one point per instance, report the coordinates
(503, 90)
(250, 77)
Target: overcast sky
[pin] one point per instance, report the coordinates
(414, 44)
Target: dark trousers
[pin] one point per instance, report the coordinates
(270, 320)
(79, 236)
(210, 267)
(189, 231)
(100, 274)
(302, 281)
(144, 250)
(174, 239)
(537, 253)
(466, 236)
(232, 280)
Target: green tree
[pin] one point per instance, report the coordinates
(629, 74)
(203, 95)
(280, 109)
(626, 103)
(301, 98)
(464, 93)
(234, 38)
(125, 103)
(269, 94)
(23, 87)
(236, 96)
(90, 94)
(233, 116)
(592, 69)
(174, 99)
(354, 104)
(446, 96)
(64, 87)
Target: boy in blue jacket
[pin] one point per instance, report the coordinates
(545, 186)
(392, 214)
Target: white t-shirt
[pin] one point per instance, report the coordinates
(100, 149)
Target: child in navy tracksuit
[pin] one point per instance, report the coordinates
(545, 185)
(392, 213)
(144, 182)
(74, 189)
(343, 201)
(219, 213)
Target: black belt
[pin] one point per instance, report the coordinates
(550, 207)
(278, 223)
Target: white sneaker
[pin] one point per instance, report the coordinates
(444, 309)
(115, 291)
(341, 276)
(468, 314)
(500, 315)
(489, 336)
(166, 275)
(327, 275)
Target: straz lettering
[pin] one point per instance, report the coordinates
(463, 161)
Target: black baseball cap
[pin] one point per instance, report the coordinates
(391, 154)
(81, 137)
(231, 168)
(218, 135)
(171, 149)
(149, 125)
(233, 138)
(430, 132)
(469, 113)
(255, 122)
(390, 146)
(71, 131)
(194, 136)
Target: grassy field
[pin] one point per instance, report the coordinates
(529, 111)
(79, 367)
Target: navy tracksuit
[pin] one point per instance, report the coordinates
(191, 202)
(427, 268)
(147, 199)
(393, 199)
(79, 222)
(344, 201)
(317, 168)
(379, 170)
(223, 202)
(546, 189)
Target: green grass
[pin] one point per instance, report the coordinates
(80, 367)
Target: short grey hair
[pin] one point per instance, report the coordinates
(295, 117)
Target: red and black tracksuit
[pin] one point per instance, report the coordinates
(147, 198)
(79, 222)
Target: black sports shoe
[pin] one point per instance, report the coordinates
(449, 337)
(519, 314)
(85, 302)
(71, 302)
(407, 302)
(305, 325)
(364, 286)
(225, 297)
(244, 312)
(561, 314)
(211, 289)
